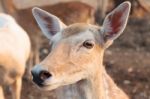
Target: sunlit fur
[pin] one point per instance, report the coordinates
(78, 72)
(14, 52)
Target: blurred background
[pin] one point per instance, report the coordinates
(127, 60)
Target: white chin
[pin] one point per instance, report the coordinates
(48, 87)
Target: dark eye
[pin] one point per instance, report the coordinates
(88, 44)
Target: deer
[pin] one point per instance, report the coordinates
(74, 67)
(14, 52)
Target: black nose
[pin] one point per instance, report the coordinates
(40, 77)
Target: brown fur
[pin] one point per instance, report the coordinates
(74, 29)
(77, 28)
(75, 62)
(63, 62)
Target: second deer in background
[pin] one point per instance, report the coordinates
(14, 52)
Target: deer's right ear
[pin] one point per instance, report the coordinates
(48, 23)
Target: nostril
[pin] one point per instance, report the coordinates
(44, 75)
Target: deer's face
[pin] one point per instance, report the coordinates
(76, 49)
(73, 53)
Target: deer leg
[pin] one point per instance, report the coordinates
(1, 92)
(16, 88)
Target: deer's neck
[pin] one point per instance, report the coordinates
(95, 88)
(97, 85)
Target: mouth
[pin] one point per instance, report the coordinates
(37, 82)
(48, 87)
(53, 83)
(45, 86)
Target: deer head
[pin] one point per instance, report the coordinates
(76, 51)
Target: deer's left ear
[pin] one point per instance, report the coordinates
(115, 22)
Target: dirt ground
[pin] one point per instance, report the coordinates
(127, 61)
